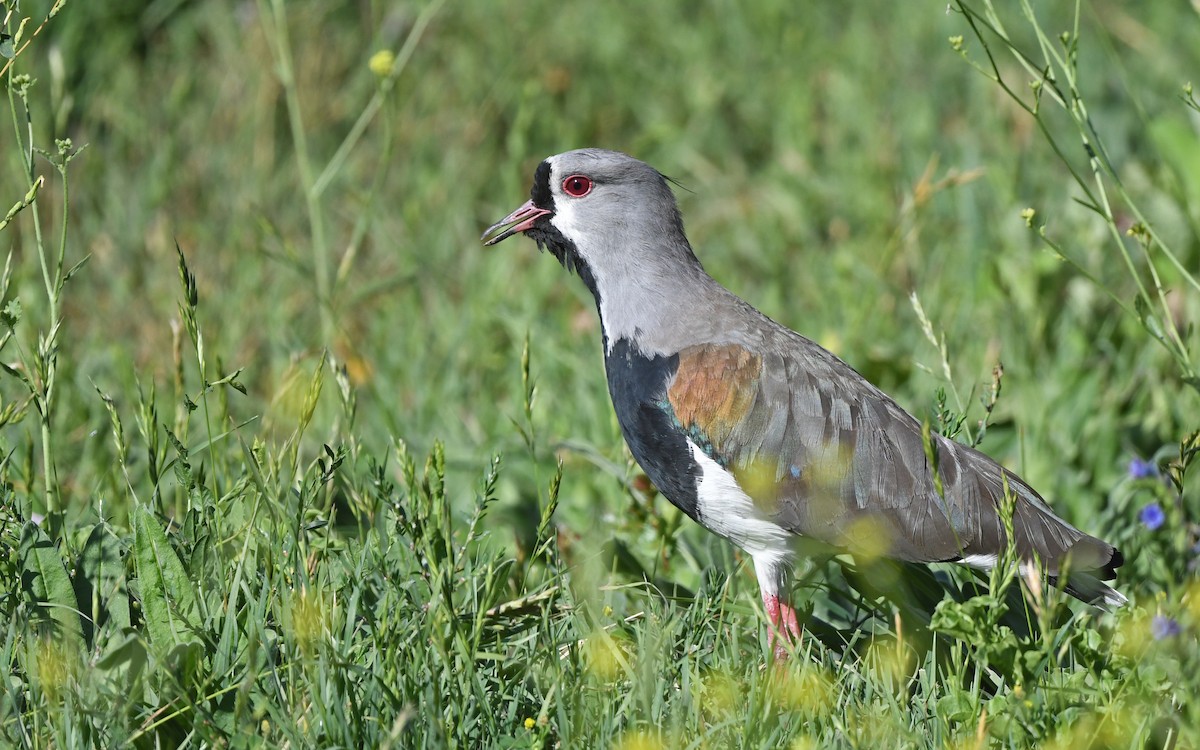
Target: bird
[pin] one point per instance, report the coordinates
(758, 433)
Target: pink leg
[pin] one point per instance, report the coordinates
(781, 621)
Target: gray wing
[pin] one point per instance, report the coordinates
(831, 457)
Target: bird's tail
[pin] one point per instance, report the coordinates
(1097, 562)
(1088, 588)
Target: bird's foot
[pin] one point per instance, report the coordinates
(783, 630)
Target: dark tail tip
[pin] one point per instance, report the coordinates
(1109, 571)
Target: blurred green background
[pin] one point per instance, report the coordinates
(835, 158)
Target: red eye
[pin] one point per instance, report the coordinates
(577, 186)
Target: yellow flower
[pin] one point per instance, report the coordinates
(310, 618)
(809, 689)
(605, 656)
(55, 662)
(640, 740)
(832, 341)
(721, 693)
(381, 62)
(530, 723)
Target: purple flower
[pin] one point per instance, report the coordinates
(1152, 516)
(1139, 469)
(1164, 627)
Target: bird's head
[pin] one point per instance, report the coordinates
(603, 214)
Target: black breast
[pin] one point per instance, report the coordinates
(638, 386)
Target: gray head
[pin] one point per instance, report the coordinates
(605, 215)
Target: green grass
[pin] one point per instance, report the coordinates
(331, 474)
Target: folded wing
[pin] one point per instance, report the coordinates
(828, 456)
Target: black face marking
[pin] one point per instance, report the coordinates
(547, 237)
(638, 386)
(540, 193)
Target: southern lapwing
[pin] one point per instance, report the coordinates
(757, 433)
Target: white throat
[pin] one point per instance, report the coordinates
(644, 296)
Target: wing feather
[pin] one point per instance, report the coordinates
(833, 458)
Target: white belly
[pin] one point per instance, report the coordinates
(729, 512)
